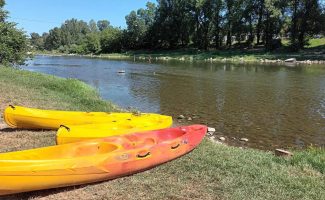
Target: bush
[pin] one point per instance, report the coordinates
(13, 44)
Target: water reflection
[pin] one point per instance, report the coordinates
(273, 106)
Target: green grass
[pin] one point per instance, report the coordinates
(317, 43)
(47, 91)
(211, 171)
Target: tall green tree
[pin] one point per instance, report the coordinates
(111, 40)
(138, 25)
(73, 31)
(136, 30)
(233, 18)
(54, 39)
(195, 23)
(174, 23)
(3, 13)
(306, 21)
(274, 10)
(92, 43)
(37, 41)
(93, 26)
(13, 42)
(103, 24)
(217, 21)
(204, 15)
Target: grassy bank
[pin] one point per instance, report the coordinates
(212, 171)
(34, 89)
(312, 54)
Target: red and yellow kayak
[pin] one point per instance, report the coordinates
(94, 160)
(31, 118)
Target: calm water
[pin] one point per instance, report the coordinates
(272, 106)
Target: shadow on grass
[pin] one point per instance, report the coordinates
(10, 130)
(41, 193)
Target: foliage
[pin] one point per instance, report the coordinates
(103, 24)
(13, 41)
(37, 41)
(201, 24)
(92, 43)
(138, 24)
(110, 40)
(306, 20)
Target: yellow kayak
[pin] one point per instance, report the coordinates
(76, 133)
(30, 118)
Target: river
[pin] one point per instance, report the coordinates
(273, 106)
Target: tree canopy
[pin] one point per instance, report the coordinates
(201, 24)
(13, 41)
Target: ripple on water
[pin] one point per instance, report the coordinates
(321, 110)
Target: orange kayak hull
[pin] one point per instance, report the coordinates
(95, 160)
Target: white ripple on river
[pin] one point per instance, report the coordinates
(321, 110)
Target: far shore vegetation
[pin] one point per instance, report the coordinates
(312, 54)
(246, 30)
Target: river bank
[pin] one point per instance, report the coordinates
(307, 56)
(212, 171)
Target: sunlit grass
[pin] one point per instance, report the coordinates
(46, 91)
(316, 43)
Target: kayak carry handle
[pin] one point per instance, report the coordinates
(136, 113)
(11, 106)
(143, 156)
(175, 147)
(68, 129)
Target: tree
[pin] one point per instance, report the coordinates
(103, 24)
(136, 29)
(250, 15)
(92, 43)
(93, 26)
(306, 21)
(274, 10)
(174, 23)
(13, 41)
(37, 41)
(204, 15)
(260, 8)
(110, 40)
(196, 24)
(322, 19)
(73, 31)
(54, 39)
(3, 13)
(217, 21)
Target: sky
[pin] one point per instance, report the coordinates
(42, 15)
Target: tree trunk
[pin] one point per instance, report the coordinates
(303, 29)
(259, 23)
(217, 38)
(268, 33)
(294, 25)
(251, 36)
(229, 37)
(217, 32)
